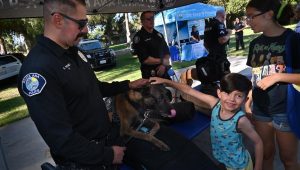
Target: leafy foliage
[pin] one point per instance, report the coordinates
(26, 27)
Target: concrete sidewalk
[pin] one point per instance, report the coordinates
(24, 149)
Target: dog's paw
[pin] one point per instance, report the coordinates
(162, 146)
(165, 148)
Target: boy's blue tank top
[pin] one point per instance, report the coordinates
(227, 144)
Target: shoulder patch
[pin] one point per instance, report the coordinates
(81, 55)
(136, 39)
(160, 35)
(33, 84)
(221, 26)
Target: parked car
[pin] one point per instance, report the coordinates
(132, 50)
(97, 54)
(9, 66)
(19, 56)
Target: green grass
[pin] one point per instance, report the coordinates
(248, 37)
(128, 68)
(13, 108)
(119, 46)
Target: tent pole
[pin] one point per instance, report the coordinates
(165, 31)
(178, 40)
(164, 25)
(128, 39)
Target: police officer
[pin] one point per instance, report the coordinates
(151, 49)
(239, 39)
(216, 36)
(63, 95)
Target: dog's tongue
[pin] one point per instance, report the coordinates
(173, 113)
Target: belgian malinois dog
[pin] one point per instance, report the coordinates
(140, 110)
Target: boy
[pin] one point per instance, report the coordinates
(228, 121)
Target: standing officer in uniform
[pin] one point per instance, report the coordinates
(239, 37)
(216, 37)
(63, 95)
(151, 49)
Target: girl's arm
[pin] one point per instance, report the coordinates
(268, 81)
(246, 127)
(248, 105)
(209, 100)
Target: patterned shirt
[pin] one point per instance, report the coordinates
(227, 145)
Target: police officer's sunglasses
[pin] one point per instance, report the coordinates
(81, 23)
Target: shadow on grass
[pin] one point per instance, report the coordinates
(8, 83)
(10, 104)
(126, 65)
(14, 116)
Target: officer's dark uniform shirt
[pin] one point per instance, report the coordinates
(215, 29)
(149, 44)
(64, 99)
(238, 26)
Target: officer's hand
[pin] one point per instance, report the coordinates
(118, 154)
(138, 83)
(229, 31)
(161, 69)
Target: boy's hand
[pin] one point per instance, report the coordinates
(156, 80)
(138, 83)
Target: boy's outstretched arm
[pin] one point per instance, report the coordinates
(247, 128)
(209, 100)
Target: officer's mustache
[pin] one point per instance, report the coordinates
(81, 34)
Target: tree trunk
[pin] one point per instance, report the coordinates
(2, 46)
(127, 29)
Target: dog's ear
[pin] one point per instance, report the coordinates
(123, 105)
(134, 95)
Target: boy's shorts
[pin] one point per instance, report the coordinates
(248, 167)
(279, 121)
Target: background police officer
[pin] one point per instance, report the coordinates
(63, 95)
(216, 36)
(151, 48)
(239, 35)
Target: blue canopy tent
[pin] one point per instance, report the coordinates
(190, 12)
(175, 24)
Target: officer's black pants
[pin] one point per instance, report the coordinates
(239, 40)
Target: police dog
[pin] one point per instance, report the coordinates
(139, 109)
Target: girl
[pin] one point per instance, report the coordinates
(268, 61)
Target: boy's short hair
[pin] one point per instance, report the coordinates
(235, 81)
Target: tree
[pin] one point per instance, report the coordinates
(233, 8)
(29, 28)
